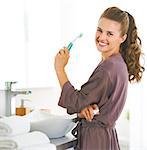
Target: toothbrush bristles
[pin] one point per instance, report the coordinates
(80, 35)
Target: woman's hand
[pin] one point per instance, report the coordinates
(61, 59)
(88, 113)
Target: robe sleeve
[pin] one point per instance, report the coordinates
(92, 92)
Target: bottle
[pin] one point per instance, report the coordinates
(21, 111)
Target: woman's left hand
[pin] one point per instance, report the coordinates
(88, 113)
(61, 59)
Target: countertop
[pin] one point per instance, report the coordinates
(66, 142)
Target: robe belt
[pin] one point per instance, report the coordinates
(83, 123)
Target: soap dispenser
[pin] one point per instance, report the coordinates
(21, 111)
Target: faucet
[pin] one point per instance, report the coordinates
(9, 94)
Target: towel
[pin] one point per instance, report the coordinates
(8, 145)
(26, 140)
(14, 125)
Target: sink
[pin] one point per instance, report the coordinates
(54, 126)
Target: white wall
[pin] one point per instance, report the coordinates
(12, 54)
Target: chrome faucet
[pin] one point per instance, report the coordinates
(9, 94)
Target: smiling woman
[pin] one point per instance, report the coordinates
(108, 38)
(32, 31)
(107, 86)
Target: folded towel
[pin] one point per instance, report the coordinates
(23, 141)
(41, 147)
(14, 125)
(8, 145)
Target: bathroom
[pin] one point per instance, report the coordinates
(31, 34)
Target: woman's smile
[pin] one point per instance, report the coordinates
(102, 44)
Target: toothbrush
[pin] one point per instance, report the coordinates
(71, 43)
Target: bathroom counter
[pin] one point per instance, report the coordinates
(66, 142)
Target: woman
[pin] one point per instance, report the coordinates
(120, 47)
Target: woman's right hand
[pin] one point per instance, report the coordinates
(88, 113)
(61, 59)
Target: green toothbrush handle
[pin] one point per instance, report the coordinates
(69, 46)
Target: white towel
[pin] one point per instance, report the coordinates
(8, 145)
(14, 125)
(24, 141)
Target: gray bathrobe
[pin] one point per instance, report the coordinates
(106, 87)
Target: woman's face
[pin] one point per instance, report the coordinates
(108, 36)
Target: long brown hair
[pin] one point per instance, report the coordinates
(130, 49)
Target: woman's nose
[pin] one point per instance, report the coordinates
(102, 36)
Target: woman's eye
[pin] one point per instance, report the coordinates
(99, 30)
(109, 34)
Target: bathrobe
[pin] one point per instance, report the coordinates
(106, 87)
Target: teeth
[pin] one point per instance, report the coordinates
(103, 44)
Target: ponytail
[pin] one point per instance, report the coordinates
(131, 51)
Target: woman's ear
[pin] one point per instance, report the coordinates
(124, 38)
